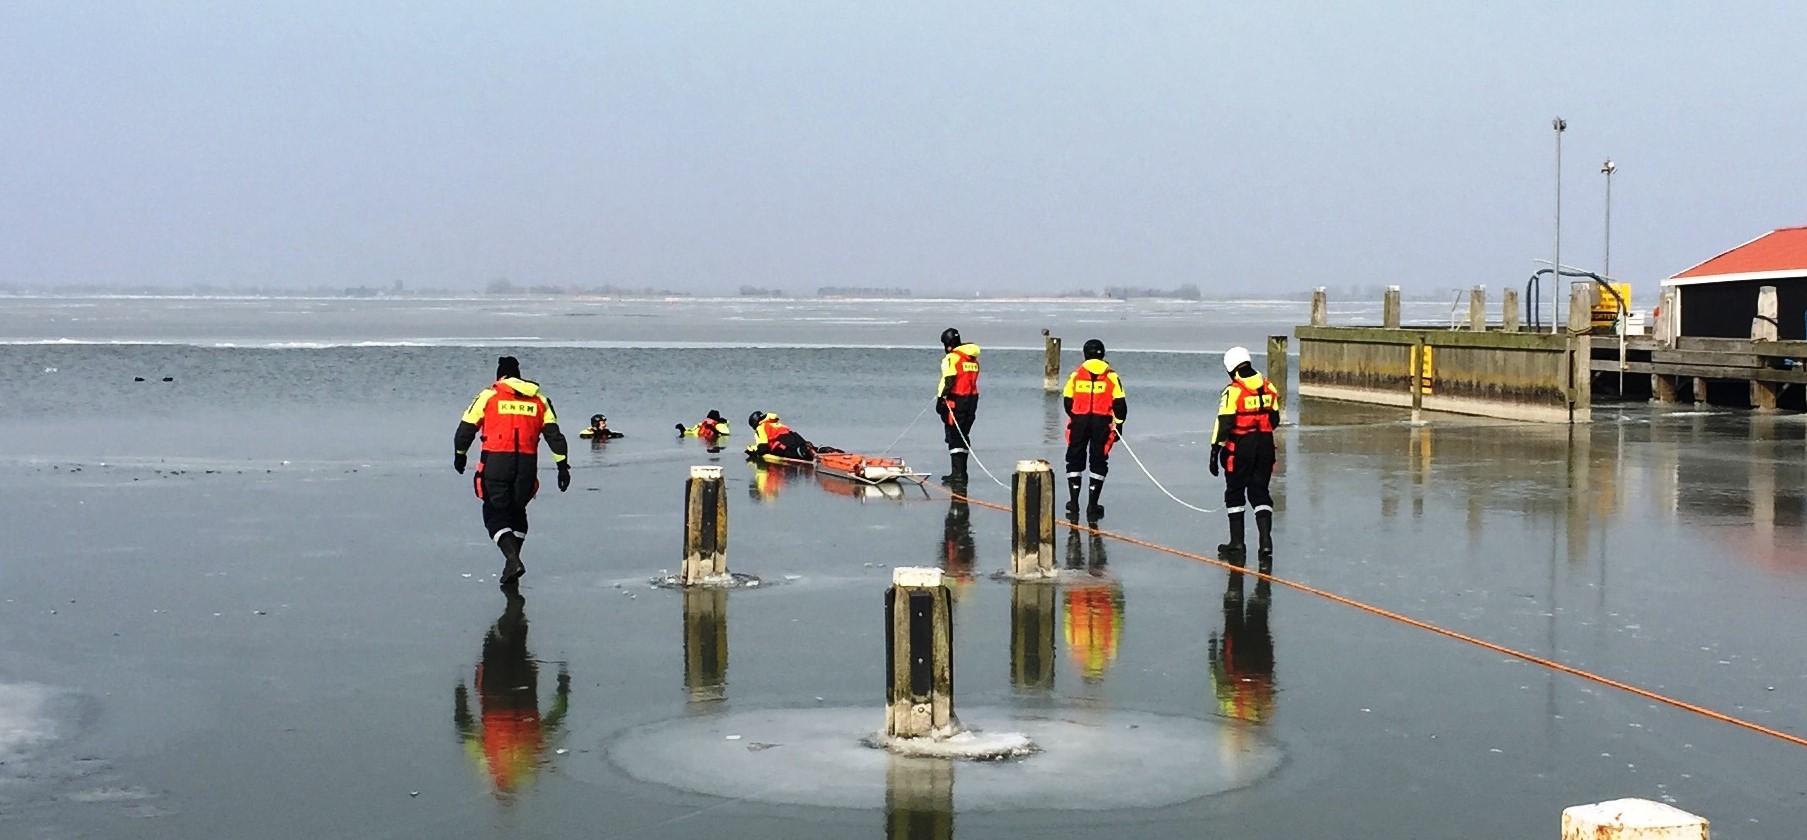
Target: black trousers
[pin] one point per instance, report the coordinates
(1247, 469)
(1089, 438)
(958, 432)
(506, 482)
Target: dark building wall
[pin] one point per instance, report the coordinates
(1725, 310)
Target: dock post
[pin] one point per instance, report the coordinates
(1032, 511)
(1051, 363)
(1662, 388)
(706, 643)
(1477, 309)
(1581, 351)
(1763, 328)
(1320, 307)
(1389, 308)
(1631, 819)
(1032, 620)
(1278, 372)
(919, 655)
(1700, 390)
(1419, 377)
(705, 528)
(1509, 310)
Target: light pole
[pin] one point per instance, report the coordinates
(1606, 261)
(1560, 125)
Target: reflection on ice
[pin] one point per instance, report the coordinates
(815, 757)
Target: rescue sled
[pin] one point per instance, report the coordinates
(852, 466)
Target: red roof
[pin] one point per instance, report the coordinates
(1778, 250)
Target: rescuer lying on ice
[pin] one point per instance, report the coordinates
(772, 437)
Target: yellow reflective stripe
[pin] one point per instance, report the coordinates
(474, 414)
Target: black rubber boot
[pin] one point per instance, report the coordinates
(1093, 510)
(513, 569)
(956, 468)
(1073, 482)
(1235, 549)
(1264, 530)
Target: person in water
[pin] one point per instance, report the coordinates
(713, 426)
(599, 429)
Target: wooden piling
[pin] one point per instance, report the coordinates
(1631, 819)
(1051, 381)
(1032, 625)
(1477, 309)
(1278, 371)
(1509, 310)
(1700, 390)
(706, 643)
(1320, 307)
(705, 528)
(1764, 328)
(1662, 388)
(1389, 308)
(919, 655)
(1032, 511)
(1581, 351)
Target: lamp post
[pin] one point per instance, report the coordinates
(1606, 261)
(1560, 125)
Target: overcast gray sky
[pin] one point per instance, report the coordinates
(1018, 146)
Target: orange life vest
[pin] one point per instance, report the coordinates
(1254, 405)
(966, 374)
(1093, 393)
(770, 430)
(512, 421)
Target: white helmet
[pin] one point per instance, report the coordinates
(1234, 358)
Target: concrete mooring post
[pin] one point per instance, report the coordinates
(1763, 328)
(1032, 509)
(705, 528)
(1389, 308)
(1320, 307)
(1509, 310)
(1278, 371)
(1631, 819)
(1051, 363)
(1477, 309)
(919, 656)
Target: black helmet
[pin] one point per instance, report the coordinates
(1094, 349)
(715, 415)
(950, 337)
(754, 418)
(597, 418)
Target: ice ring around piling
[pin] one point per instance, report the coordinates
(731, 580)
(823, 757)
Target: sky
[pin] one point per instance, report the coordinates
(1004, 146)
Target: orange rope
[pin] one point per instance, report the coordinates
(1422, 625)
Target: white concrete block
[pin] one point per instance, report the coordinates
(1631, 819)
(916, 577)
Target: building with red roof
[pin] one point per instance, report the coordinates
(1718, 298)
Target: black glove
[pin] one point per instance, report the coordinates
(458, 462)
(680, 428)
(1216, 453)
(564, 476)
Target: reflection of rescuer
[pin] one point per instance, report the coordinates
(512, 415)
(1242, 656)
(1096, 409)
(957, 399)
(1243, 442)
(509, 736)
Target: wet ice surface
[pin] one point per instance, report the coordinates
(251, 596)
(1098, 760)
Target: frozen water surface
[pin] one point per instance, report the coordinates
(256, 602)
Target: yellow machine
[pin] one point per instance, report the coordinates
(1606, 308)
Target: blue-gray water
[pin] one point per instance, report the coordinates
(237, 604)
